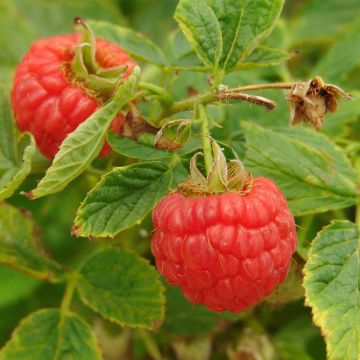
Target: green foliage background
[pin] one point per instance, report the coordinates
(324, 35)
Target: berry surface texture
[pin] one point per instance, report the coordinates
(225, 251)
(48, 100)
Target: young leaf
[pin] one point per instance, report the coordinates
(123, 288)
(136, 149)
(313, 173)
(136, 44)
(244, 24)
(332, 288)
(83, 145)
(50, 335)
(200, 25)
(17, 245)
(122, 198)
(15, 155)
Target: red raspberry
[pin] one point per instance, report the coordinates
(44, 100)
(225, 251)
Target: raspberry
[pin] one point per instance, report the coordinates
(225, 251)
(44, 99)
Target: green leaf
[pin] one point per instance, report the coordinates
(50, 335)
(15, 154)
(13, 30)
(83, 145)
(18, 245)
(313, 173)
(11, 178)
(123, 288)
(14, 285)
(185, 319)
(320, 20)
(180, 53)
(122, 199)
(244, 24)
(347, 113)
(342, 57)
(299, 339)
(263, 56)
(200, 25)
(8, 153)
(136, 149)
(136, 44)
(332, 288)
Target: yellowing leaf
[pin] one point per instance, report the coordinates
(50, 335)
(332, 288)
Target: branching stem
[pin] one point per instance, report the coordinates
(69, 292)
(226, 94)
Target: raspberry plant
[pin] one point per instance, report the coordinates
(103, 130)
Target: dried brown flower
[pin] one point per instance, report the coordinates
(310, 101)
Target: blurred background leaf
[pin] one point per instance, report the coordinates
(322, 37)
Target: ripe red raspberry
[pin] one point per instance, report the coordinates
(225, 251)
(46, 102)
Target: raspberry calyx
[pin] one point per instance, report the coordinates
(222, 177)
(84, 68)
(226, 240)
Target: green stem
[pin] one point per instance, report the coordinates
(188, 104)
(205, 137)
(150, 344)
(69, 292)
(357, 216)
(166, 96)
(280, 85)
(47, 276)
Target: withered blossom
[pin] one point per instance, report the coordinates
(310, 101)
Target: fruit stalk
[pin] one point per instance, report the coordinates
(205, 137)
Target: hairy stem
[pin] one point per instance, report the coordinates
(281, 85)
(227, 94)
(205, 137)
(188, 104)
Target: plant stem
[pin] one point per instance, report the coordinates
(47, 276)
(227, 94)
(150, 344)
(357, 216)
(69, 292)
(188, 104)
(166, 96)
(281, 85)
(205, 137)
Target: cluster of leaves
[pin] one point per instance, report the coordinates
(318, 173)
